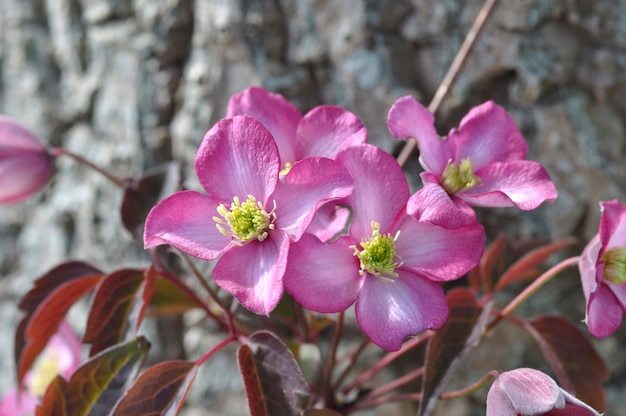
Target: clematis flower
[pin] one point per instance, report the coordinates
(529, 392)
(482, 163)
(25, 163)
(603, 271)
(390, 263)
(248, 217)
(61, 356)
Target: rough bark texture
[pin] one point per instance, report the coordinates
(131, 84)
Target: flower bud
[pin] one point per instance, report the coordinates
(25, 163)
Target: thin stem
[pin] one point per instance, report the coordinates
(533, 287)
(354, 356)
(58, 151)
(215, 349)
(299, 311)
(387, 359)
(453, 71)
(400, 381)
(332, 355)
(472, 388)
(386, 399)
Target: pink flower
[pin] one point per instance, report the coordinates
(248, 216)
(603, 271)
(482, 163)
(390, 263)
(61, 356)
(529, 392)
(25, 163)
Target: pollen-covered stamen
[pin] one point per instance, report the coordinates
(378, 254)
(459, 178)
(247, 221)
(614, 265)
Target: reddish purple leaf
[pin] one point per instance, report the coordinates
(480, 277)
(117, 308)
(160, 390)
(272, 379)
(519, 270)
(461, 332)
(96, 386)
(320, 412)
(46, 305)
(576, 364)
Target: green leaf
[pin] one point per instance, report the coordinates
(272, 379)
(461, 332)
(168, 299)
(577, 366)
(117, 308)
(160, 390)
(97, 385)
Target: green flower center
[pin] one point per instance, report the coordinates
(459, 178)
(46, 368)
(614, 265)
(247, 221)
(378, 254)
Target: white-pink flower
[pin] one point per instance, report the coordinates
(529, 392)
(482, 163)
(248, 216)
(61, 356)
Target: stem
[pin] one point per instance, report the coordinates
(58, 151)
(472, 388)
(387, 359)
(400, 381)
(332, 354)
(353, 359)
(453, 71)
(215, 349)
(533, 287)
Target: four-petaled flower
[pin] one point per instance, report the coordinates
(390, 263)
(603, 271)
(248, 216)
(529, 392)
(25, 163)
(482, 163)
(61, 356)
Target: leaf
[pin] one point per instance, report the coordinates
(461, 332)
(160, 390)
(117, 308)
(142, 194)
(576, 364)
(97, 385)
(481, 275)
(518, 271)
(168, 299)
(46, 305)
(272, 379)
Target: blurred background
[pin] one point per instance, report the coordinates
(133, 84)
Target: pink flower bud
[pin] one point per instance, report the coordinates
(25, 163)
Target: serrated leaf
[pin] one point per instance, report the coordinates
(272, 379)
(576, 364)
(117, 308)
(160, 390)
(140, 195)
(46, 305)
(168, 299)
(518, 271)
(461, 332)
(97, 385)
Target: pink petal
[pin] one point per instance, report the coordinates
(604, 312)
(408, 118)
(329, 220)
(254, 273)
(326, 130)
(323, 277)
(277, 114)
(488, 134)
(528, 391)
(18, 404)
(589, 275)
(15, 138)
(390, 311)
(380, 188)
(238, 157)
(433, 204)
(439, 253)
(524, 184)
(23, 175)
(68, 348)
(612, 224)
(185, 221)
(309, 184)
